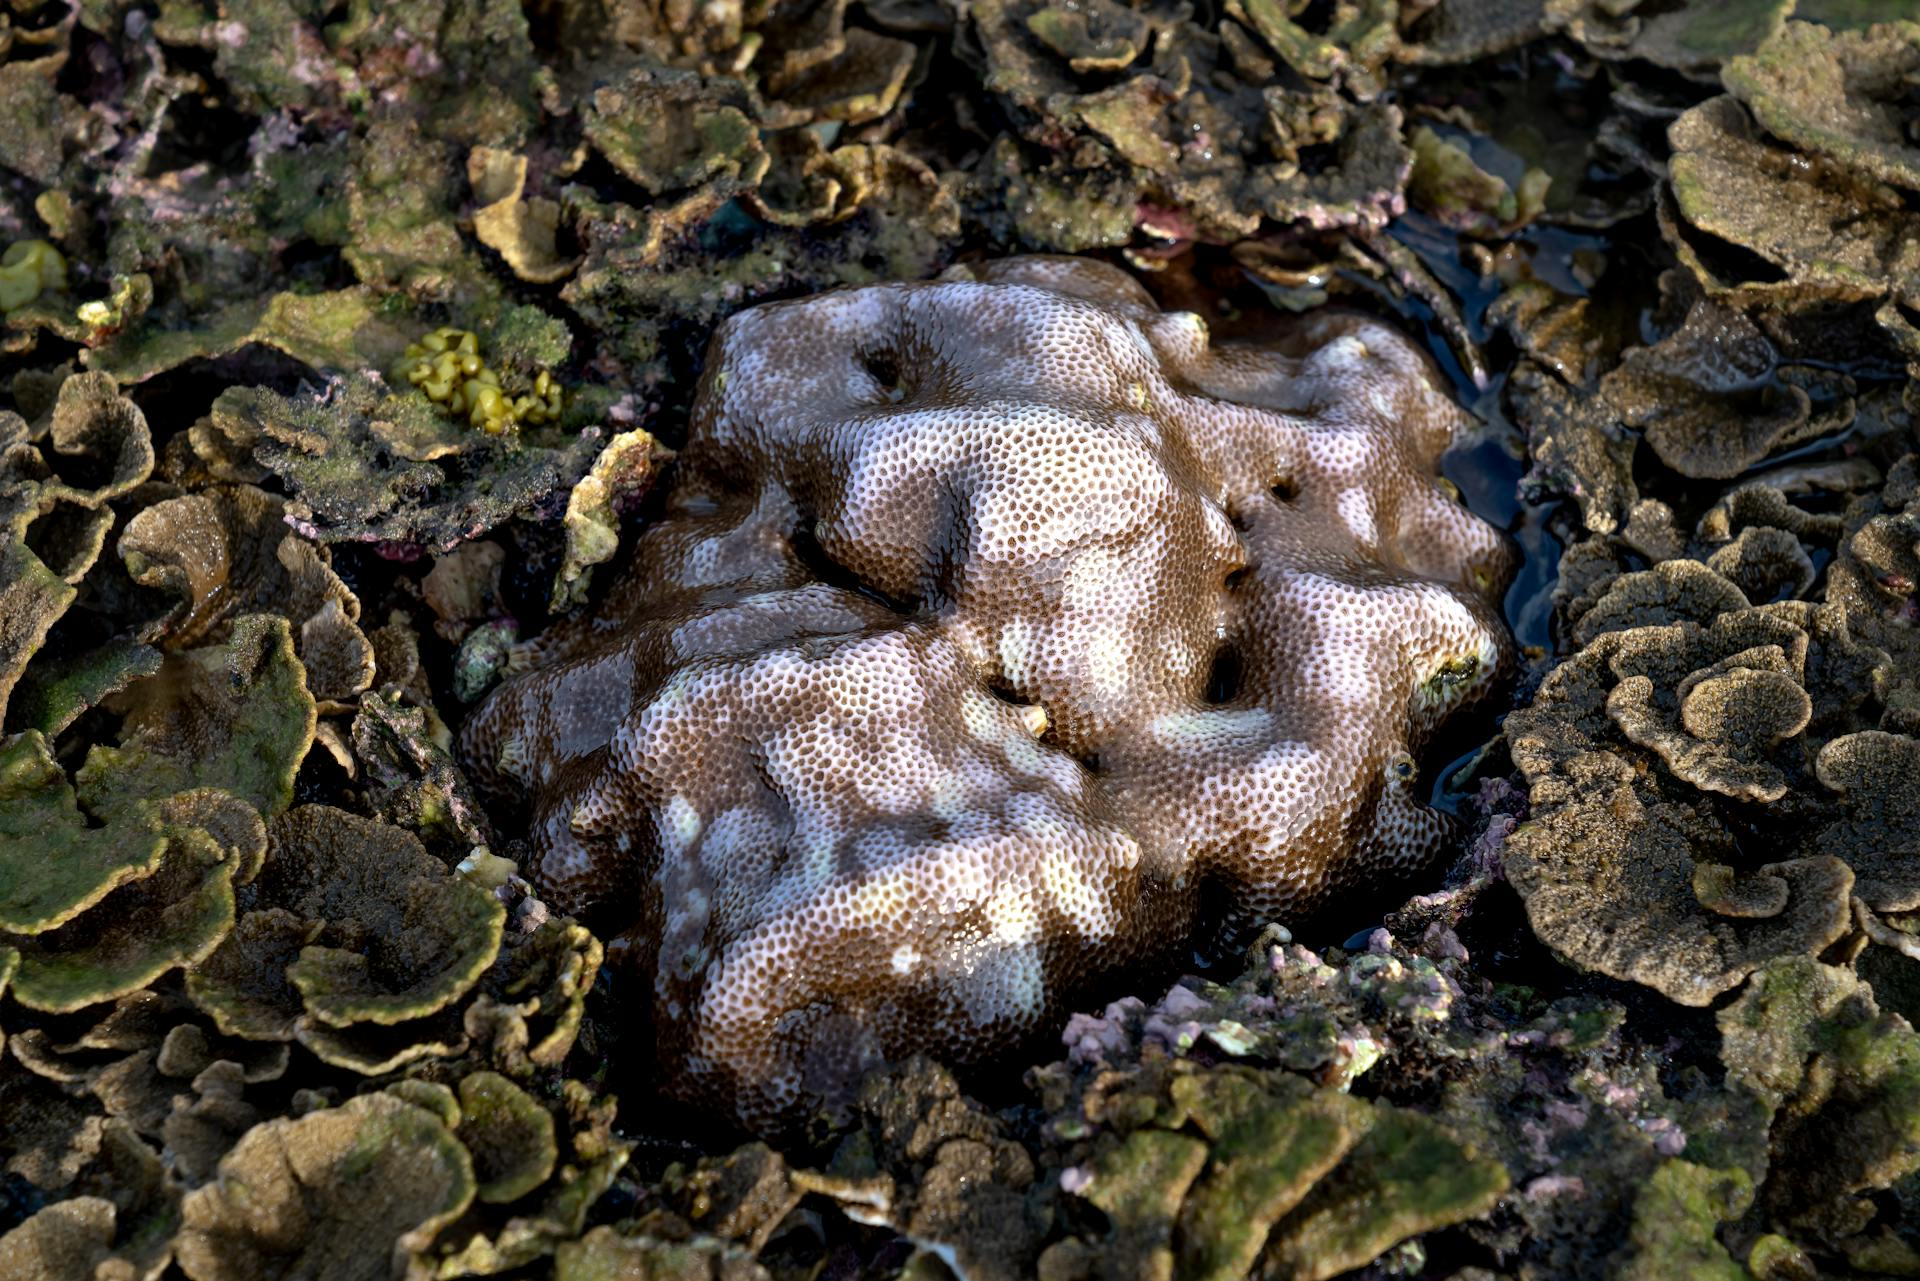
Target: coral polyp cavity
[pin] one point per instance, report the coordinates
(995, 623)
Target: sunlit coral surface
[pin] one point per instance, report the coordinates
(999, 628)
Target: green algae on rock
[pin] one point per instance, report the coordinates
(237, 717)
(57, 478)
(1308, 1181)
(1446, 183)
(1406, 1175)
(173, 916)
(29, 268)
(37, 802)
(1843, 1081)
(1676, 1219)
(447, 368)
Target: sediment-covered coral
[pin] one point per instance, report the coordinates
(365, 463)
(1803, 168)
(1694, 38)
(1708, 693)
(1040, 618)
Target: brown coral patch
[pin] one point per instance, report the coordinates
(399, 938)
(901, 693)
(335, 1195)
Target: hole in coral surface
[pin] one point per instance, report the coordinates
(884, 368)
(1284, 488)
(1223, 678)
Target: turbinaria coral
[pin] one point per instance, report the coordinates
(1709, 692)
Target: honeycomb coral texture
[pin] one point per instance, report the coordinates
(996, 625)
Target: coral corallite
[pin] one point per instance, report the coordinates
(995, 624)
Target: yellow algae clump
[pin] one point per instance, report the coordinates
(28, 269)
(446, 365)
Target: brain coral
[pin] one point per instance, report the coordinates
(998, 626)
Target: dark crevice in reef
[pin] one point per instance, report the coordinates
(822, 566)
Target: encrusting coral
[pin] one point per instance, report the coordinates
(997, 623)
